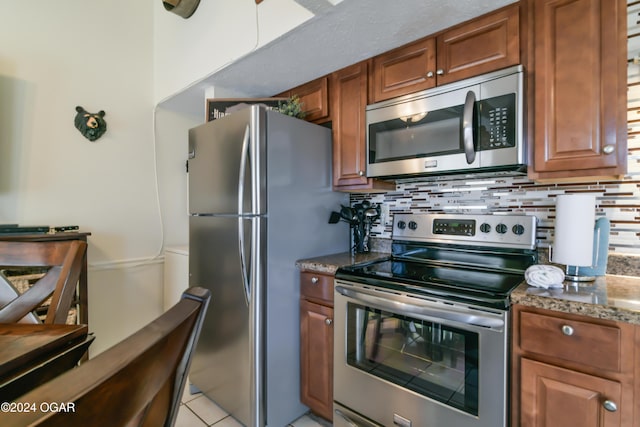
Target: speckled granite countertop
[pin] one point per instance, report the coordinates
(328, 264)
(609, 297)
(614, 297)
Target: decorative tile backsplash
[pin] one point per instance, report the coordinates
(617, 200)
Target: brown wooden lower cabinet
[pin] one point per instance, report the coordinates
(572, 370)
(554, 396)
(316, 343)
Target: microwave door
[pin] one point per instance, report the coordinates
(433, 134)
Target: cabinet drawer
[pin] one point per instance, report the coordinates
(589, 344)
(317, 286)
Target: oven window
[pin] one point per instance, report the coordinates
(420, 135)
(437, 361)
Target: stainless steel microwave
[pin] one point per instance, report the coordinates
(474, 126)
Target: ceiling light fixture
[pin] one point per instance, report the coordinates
(184, 8)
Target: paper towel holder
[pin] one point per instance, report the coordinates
(577, 277)
(574, 234)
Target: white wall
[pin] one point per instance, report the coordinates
(60, 57)
(218, 33)
(171, 151)
(97, 54)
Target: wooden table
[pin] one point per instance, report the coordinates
(33, 354)
(83, 300)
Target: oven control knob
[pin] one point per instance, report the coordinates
(518, 229)
(501, 228)
(413, 225)
(402, 225)
(485, 228)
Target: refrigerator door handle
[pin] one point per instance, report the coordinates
(243, 261)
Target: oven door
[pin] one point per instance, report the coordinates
(401, 359)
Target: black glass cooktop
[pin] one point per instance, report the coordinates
(483, 286)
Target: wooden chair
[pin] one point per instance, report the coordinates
(137, 382)
(65, 261)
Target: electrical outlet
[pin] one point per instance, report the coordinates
(385, 217)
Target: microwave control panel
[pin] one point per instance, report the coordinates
(497, 122)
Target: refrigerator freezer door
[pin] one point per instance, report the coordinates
(221, 165)
(221, 366)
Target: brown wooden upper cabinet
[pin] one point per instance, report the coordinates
(314, 96)
(407, 69)
(579, 74)
(485, 44)
(348, 103)
(488, 43)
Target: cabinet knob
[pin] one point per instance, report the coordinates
(440, 72)
(608, 149)
(610, 406)
(329, 321)
(567, 330)
(314, 280)
(430, 74)
(361, 173)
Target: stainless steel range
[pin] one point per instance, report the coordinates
(421, 338)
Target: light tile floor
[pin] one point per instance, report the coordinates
(198, 411)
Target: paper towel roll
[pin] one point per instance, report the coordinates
(575, 217)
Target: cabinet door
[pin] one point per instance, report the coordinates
(349, 100)
(348, 103)
(316, 357)
(479, 46)
(580, 88)
(551, 396)
(314, 97)
(408, 69)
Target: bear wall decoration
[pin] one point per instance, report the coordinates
(91, 125)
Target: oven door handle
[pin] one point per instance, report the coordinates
(399, 304)
(346, 418)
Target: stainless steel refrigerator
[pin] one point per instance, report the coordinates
(259, 199)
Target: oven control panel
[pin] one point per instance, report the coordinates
(509, 231)
(453, 227)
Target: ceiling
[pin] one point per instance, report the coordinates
(341, 33)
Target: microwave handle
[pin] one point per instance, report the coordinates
(468, 133)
